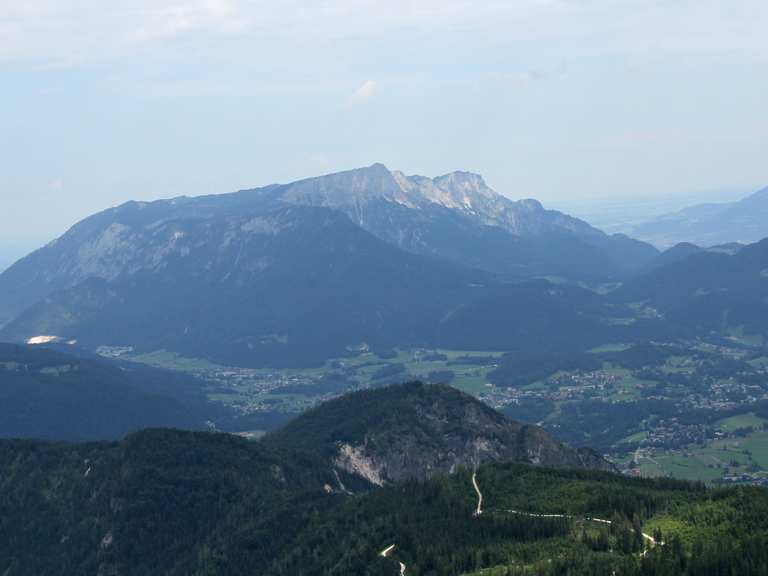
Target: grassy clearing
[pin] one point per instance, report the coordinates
(741, 421)
(720, 457)
(757, 444)
(753, 340)
(472, 378)
(678, 365)
(636, 437)
(684, 467)
(712, 462)
(650, 468)
(173, 361)
(627, 386)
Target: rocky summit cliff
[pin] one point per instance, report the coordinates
(457, 216)
(417, 430)
(360, 192)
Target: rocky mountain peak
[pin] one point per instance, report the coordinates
(466, 182)
(351, 187)
(531, 205)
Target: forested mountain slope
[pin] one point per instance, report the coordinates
(164, 502)
(708, 291)
(50, 395)
(286, 286)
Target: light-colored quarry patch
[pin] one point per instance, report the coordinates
(354, 460)
(42, 340)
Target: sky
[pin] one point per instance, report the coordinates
(573, 102)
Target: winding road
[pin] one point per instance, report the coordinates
(645, 536)
(479, 510)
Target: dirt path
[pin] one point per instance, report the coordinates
(385, 554)
(479, 509)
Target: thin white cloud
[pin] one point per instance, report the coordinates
(82, 30)
(77, 30)
(171, 21)
(366, 91)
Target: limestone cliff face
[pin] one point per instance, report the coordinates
(458, 217)
(410, 211)
(417, 431)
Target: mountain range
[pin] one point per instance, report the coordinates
(744, 221)
(297, 273)
(454, 217)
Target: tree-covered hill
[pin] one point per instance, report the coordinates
(708, 291)
(47, 394)
(416, 430)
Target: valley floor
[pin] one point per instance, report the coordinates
(689, 410)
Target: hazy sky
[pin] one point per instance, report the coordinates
(105, 101)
